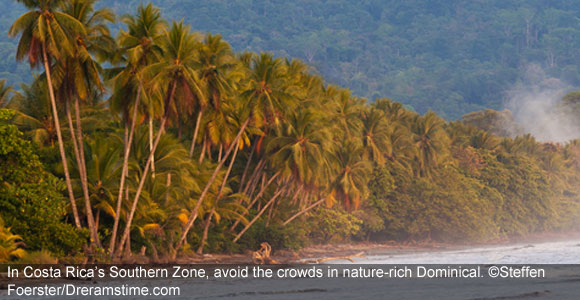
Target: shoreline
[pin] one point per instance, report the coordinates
(325, 251)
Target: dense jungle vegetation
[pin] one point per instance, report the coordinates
(452, 57)
(165, 140)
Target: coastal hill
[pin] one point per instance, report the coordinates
(452, 57)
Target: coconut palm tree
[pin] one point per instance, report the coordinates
(140, 44)
(175, 75)
(430, 140)
(216, 64)
(45, 35)
(375, 134)
(34, 116)
(352, 174)
(300, 152)
(77, 75)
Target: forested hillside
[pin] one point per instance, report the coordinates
(452, 56)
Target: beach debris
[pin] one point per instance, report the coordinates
(262, 256)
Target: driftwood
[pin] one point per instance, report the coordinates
(262, 256)
(347, 257)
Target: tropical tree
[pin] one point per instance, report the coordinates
(175, 75)
(375, 134)
(33, 113)
(216, 64)
(45, 36)
(140, 46)
(78, 75)
(351, 176)
(430, 141)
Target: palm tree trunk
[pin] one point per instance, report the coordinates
(247, 167)
(303, 212)
(219, 194)
(151, 146)
(124, 173)
(195, 133)
(144, 176)
(193, 214)
(202, 155)
(73, 139)
(254, 174)
(206, 230)
(258, 215)
(83, 169)
(256, 199)
(59, 136)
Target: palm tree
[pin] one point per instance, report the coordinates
(77, 75)
(268, 90)
(216, 64)
(375, 133)
(34, 115)
(345, 112)
(174, 75)
(140, 44)
(352, 174)
(300, 152)
(430, 141)
(45, 36)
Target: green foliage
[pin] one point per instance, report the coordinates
(291, 237)
(453, 57)
(333, 225)
(10, 244)
(30, 198)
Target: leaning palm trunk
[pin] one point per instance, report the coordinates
(151, 146)
(124, 172)
(303, 211)
(59, 136)
(74, 139)
(83, 169)
(193, 214)
(258, 215)
(224, 181)
(127, 230)
(260, 193)
(206, 230)
(195, 133)
(247, 167)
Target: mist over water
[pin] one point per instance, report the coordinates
(534, 103)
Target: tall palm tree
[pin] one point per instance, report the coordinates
(77, 75)
(300, 152)
(268, 90)
(430, 140)
(140, 43)
(375, 133)
(352, 174)
(216, 64)
(45, 36)
(345, 112)
(176, 76)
